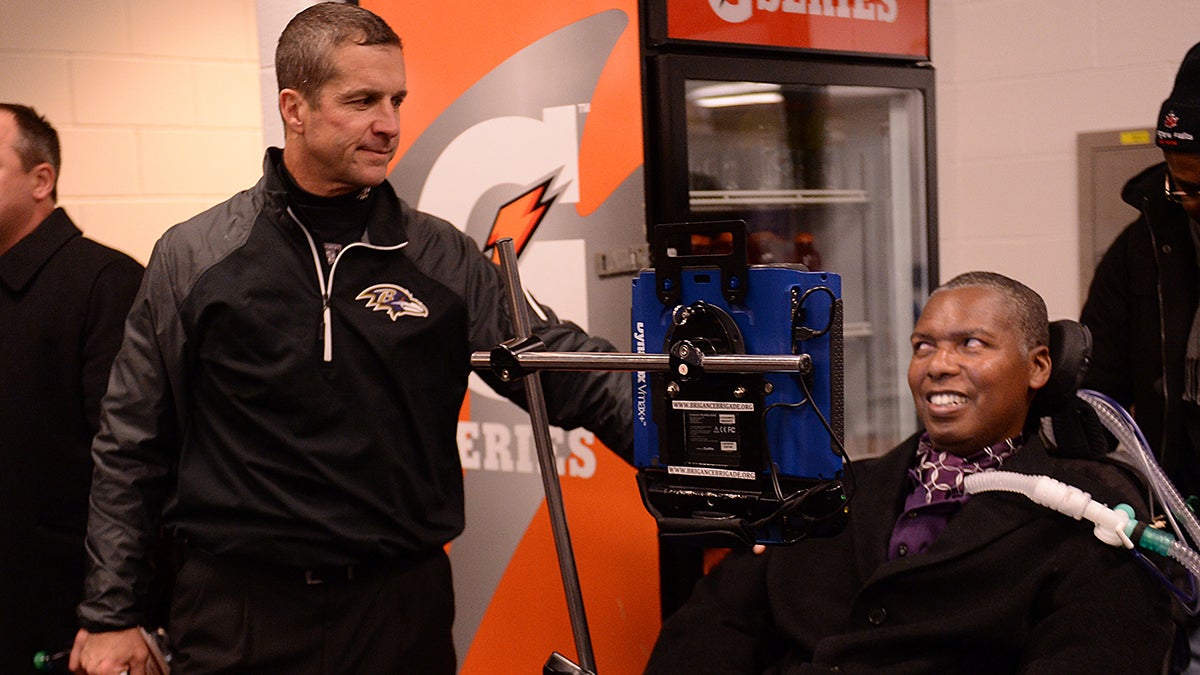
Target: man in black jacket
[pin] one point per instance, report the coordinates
(287, 399)
(1143, 307)
(927, 579)
(63, 301)
(1142, 304)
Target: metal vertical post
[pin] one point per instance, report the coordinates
(536, 402)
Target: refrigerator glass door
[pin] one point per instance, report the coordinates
(834, 177)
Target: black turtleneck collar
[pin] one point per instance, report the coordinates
(341, 219)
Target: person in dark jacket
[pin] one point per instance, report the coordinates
(1143, 306)
(1143, 301)
(925, 578)
(286, 400)
(63, 301)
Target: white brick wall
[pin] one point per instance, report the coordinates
(1016, 81)
(156, 102)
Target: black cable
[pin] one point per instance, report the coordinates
(1188, 599)
(771, 465)
(840, 449)
(801, 333)
(790, 502)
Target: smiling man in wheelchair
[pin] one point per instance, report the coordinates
(927, 578)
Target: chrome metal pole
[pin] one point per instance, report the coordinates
(536, 402)
(613, 361)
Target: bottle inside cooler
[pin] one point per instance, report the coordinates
(765, 247)
(806, 252)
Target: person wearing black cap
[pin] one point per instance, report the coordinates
(1142, 306)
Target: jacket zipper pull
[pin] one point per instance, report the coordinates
(325, 337)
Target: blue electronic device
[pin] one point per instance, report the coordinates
(737, 457)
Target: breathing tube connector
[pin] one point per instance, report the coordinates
(1111, 524)
(1115, 526)
(1133, 445)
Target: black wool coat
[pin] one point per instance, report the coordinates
(63, 302)
(1007, 587)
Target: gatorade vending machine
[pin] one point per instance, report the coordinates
(813, 123)
(576, 127)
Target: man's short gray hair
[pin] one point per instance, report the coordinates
(1026, 311)
(303, 57)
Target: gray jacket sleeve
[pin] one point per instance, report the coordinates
(599, 402)
(134, 455)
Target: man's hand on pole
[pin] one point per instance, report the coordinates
(119, 652)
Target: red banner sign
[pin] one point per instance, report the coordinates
(883, 27)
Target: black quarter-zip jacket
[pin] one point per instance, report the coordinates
(271, 410)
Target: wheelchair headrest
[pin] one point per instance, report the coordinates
(1070, 354)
